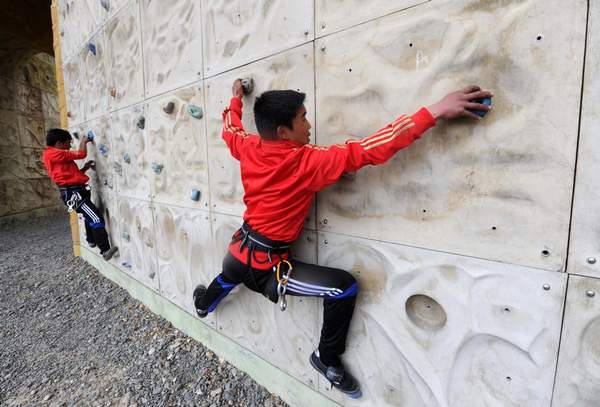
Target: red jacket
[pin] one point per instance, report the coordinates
(281, 177)
(62, 168)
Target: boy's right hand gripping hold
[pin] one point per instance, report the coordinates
(237, 89)
(455, 104)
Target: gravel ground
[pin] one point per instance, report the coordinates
(71, 337)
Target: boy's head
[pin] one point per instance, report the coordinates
(281, 115)
(58, 138)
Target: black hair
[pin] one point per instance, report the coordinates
(57, 135)
(276, 108)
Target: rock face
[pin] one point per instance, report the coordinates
(453, 240)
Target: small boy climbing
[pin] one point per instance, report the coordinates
(281, 171)
(60, 163)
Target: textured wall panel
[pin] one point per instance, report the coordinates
(137, 223)
(29, 101)
(481, 189)
(124, 65)
(286, 339)
(33, 164)
(128, 138)
(96, 92)
(10, 163)
(11, 196)
(78, 21)
(31, 131)
(9, 129)
(7, 94)
(184, 251)
(578, 371)
(115, 6)
(585, 227)
(50, 106)
(289, 70)
(236, 33)
(335, 15)
(74, 71)
(478, 330)
(37, 71)
(103, 179)
(42, 192)
(177, 141)
(172, 33)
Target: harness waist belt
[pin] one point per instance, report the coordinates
(69, 188)
(258, 242)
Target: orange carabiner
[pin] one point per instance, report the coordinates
(288, 273)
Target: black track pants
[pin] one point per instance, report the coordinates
(337, 287)
(94, 221)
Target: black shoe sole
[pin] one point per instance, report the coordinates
(321, 368)
(199, 292)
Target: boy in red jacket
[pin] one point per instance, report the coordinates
(281, 172)
(60, 163)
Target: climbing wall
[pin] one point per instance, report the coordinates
(475, 248)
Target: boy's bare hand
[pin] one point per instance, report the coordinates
(237, 89)
(455, 104)
(87, 165)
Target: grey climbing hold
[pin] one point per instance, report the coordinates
(105, 4)
(195, 195)
(105, 182)
(141, 122)
(103, 149)
(195, 111)
(126, 158)
(117, 254)
(76, 135)
(125, 236)
(92, 48)
(91, 135)
(118, 168)
(349, 175)
(168, 107)
(247, 85)
(157, 168)
(126, 264)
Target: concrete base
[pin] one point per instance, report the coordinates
(291, 390)
(35, 213)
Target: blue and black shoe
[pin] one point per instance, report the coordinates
(337, 376)
(198, 293)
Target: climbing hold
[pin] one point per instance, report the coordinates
(349, 175)
(168, 107)
(141, 122)
(195, 195)
(157, 168)
(105, 182)
(126, 158)
(91, 135)
(92, 48)
(112, 91)
(76, 135)
(93, 166)
(149, 243)
(126, 264)
(103, 149)
(69, 114)
(105, 4)
(117, 254)
(195, 111)
(247, 85)
(118, 168)
(125, 236)
(483, 101)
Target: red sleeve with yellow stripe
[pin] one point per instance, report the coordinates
(322, 166)
(233, 130)
(65, 156)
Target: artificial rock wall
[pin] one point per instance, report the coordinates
(28, 108)
(474, 248)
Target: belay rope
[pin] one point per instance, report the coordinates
(282, 285)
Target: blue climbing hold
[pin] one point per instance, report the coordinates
(104, 4)
(195, 111)
(103, 149)
(126, 264)
(92, 48)
(483, 101)
(195, 195)
(126, 158)
(157, 168)
(91, 135)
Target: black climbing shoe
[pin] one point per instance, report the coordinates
(339, 378)
(91, 244)
(198, 293)
(107, 255)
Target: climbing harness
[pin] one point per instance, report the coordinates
(72, 202)
(76, 199)
(254, 241)
(282, 278)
